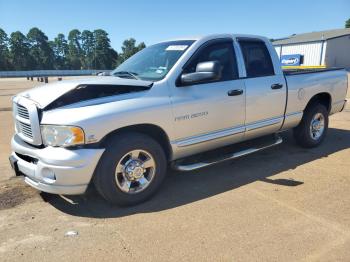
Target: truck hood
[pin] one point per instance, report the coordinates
(46, 95)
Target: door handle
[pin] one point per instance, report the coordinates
(276, 86)
(235, 92)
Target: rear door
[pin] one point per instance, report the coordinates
(265, 90)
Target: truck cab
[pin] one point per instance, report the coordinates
(237, 104)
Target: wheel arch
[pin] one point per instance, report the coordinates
(323, 98)
(151, 130)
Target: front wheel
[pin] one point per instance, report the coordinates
(131, 169)
(313, 127)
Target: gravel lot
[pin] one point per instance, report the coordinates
(283, 204)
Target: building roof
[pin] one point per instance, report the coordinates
(313, 36)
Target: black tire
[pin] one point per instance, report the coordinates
(118, 146)
(302, 132)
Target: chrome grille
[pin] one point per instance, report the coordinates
(26, 118)
(22, 111)
(25, 129)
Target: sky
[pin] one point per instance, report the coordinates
(153, 21)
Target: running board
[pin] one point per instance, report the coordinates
(181, 166)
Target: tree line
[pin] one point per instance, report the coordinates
(81, 50)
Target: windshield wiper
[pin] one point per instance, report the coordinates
(132, 74)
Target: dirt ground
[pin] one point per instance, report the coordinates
(282, 204)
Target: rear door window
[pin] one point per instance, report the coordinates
(257, 58)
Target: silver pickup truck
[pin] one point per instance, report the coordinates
(180, 103)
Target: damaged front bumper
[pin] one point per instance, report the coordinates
(53, 169)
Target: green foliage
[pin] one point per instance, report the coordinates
(105, 56)
(129, 48)
(88, 46)
(40, 49)
(20, 54)
(4, 51)
(347, 23)
(82, 50)
(75, 53)
(60, 50)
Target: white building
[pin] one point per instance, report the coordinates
(326, 48)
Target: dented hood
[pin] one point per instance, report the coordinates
(47, 94)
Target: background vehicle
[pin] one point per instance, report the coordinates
(173, 102)
(103, 74)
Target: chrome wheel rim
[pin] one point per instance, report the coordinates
(135, 171)
(317, 126)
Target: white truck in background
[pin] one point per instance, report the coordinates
(171, 103)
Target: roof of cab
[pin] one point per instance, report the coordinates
(213, 36)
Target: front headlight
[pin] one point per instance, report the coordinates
(62, 135)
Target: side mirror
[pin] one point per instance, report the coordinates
(205, 71)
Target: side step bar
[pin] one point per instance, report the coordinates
(181, 166)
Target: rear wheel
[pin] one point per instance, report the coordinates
(313, 127)
(131, 169)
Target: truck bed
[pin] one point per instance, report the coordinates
(304, 84)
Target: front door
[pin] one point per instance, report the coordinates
(213, 110)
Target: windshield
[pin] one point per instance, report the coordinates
(154, 62)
